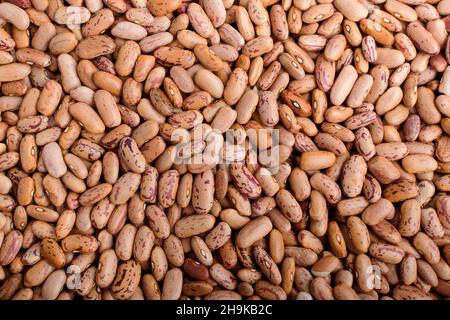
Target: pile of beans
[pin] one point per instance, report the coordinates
(101, 99)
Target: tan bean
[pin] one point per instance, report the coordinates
(359, 234)
(126, 280)
(325, 185)
(426, 247)
(253, 231)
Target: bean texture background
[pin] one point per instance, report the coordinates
(225, 149)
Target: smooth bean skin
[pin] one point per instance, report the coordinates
(224, 150)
